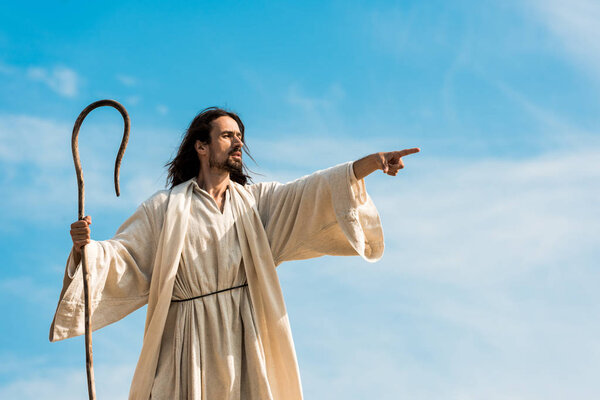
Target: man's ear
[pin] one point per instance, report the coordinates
(201, 147)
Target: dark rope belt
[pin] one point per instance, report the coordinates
(209, 294)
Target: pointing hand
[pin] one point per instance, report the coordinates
(391, 162)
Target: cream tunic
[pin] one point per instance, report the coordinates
(236, 344)
(209, 348)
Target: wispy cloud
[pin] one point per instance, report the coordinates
(392, 29)
(529, 214)
(162, 109)
(484, 259)
(26, 288)
(311, 103)
(488, 264)
(36, 158)
(575, 24)
(62, 80)
(54, 383)
(557, 130)
(127, 80)
(133, 100)
(28, 139)
(6, 69)
(320, 111)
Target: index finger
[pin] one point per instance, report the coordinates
(407, 152)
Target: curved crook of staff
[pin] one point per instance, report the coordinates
(80, 186)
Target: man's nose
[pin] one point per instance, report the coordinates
(238, 141)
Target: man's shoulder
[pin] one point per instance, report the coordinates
(257, 189)
(158, 201)
(262, 185)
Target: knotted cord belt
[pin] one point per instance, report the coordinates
(209, 294)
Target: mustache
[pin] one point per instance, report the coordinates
(236, 150)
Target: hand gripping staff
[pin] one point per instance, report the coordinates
(80, 186)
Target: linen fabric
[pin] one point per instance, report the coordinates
(236, 344)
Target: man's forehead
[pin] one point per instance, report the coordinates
(225, 124)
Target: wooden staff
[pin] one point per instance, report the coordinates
(80, 186)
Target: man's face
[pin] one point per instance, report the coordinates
(225, 148)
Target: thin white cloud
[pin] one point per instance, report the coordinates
(35, 154)
(162, 109)
(418, 339)
(25, 288)
(493, 254)
(6, 69)
(334, 94)
(575, 24)
(392, 29)
(62, 80)
(558, 132)
(133, 100)
(302, 154)
(489, 221)
(127, 80)
(27, 139)
(59, 383)
(318, 111)
(485, 289)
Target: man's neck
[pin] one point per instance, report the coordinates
(215, 183)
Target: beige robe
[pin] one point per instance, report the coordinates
(150, 260)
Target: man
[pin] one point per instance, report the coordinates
(203, 254)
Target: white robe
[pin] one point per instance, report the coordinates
(165, 252)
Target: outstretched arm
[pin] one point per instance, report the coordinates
(325, 213)
(120, 268)
(390, 162)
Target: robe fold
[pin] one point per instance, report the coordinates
(151, 260)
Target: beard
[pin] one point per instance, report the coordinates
(230, 165)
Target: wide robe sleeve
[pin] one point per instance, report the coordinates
(326, 213)
(120, 268)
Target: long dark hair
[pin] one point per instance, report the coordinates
(186, 165)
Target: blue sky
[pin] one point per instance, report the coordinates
(488, 286)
